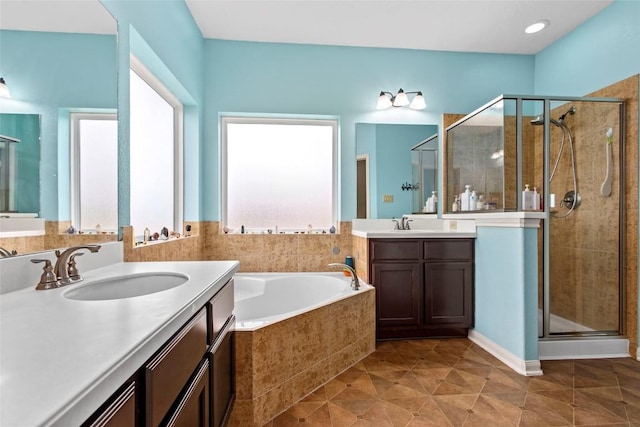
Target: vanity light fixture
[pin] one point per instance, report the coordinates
(536, 27)
(4, 90)
(400, 99)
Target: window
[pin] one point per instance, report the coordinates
(94, 179)
(279, 174)
(156, 153)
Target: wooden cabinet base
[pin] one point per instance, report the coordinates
(424, 287)
(394, 334)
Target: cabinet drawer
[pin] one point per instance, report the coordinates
(389, 249)
(119, 411)
(192, 410)
(448, 250)
(220, 309)
(170, 369)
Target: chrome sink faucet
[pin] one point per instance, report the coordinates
(403, 224)
(355, 283)
(66, 264)
(7, 253)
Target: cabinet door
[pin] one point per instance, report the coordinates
(449, 293)
(222, 372)
(192, 410)
(398, 293)
(119, 411)
(169, 370)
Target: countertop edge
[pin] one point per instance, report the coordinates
(88, 399)
(414, 234)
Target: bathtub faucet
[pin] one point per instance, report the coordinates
(355, 283)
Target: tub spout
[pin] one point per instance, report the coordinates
(355, 283)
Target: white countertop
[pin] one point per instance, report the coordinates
(60, 359)
(414, 234)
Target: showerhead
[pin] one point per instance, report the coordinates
(539, 120)
(571, 111)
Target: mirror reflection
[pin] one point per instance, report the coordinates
(19, 163)
(389, 185)
(54, 68)
(424, 166)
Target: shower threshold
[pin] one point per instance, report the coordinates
(583, 348)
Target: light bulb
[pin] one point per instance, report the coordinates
(418, 102)
(401, 99)
(383, 101)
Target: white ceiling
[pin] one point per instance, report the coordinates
(67, 16)
(453, 25)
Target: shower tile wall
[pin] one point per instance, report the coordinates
(584, 245)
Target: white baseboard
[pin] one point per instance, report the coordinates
(523, 367)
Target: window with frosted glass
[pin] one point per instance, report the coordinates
(153, 162)
(95, 187)
(280, 174)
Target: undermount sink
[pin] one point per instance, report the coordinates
(130, 286)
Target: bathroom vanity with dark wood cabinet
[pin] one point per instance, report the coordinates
(189, 380)
(424, 287)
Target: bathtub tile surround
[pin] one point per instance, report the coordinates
(180, 249)
(279, 364)
(277, 252)
(361, 257)
(455, 382)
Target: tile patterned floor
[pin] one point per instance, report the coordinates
(454, 382)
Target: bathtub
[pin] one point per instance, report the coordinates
(264, 298)
(295, 332)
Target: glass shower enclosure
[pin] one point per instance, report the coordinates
(569, 151)
(424, 170)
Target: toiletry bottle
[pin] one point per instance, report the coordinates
(527, 199)
(536, 199)
(473, 200)
(480, 203)
(466, 198)
(455, 206)
(147, 234)
(434, 196)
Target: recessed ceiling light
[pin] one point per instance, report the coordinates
(537, 26)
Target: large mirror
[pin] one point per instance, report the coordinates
(390, 182)
(58, 59)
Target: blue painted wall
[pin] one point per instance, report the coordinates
(285, 79)
(165, 37)
(48, 72)
(600, 52)
(506, 283)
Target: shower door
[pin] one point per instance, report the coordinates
(585, 227)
